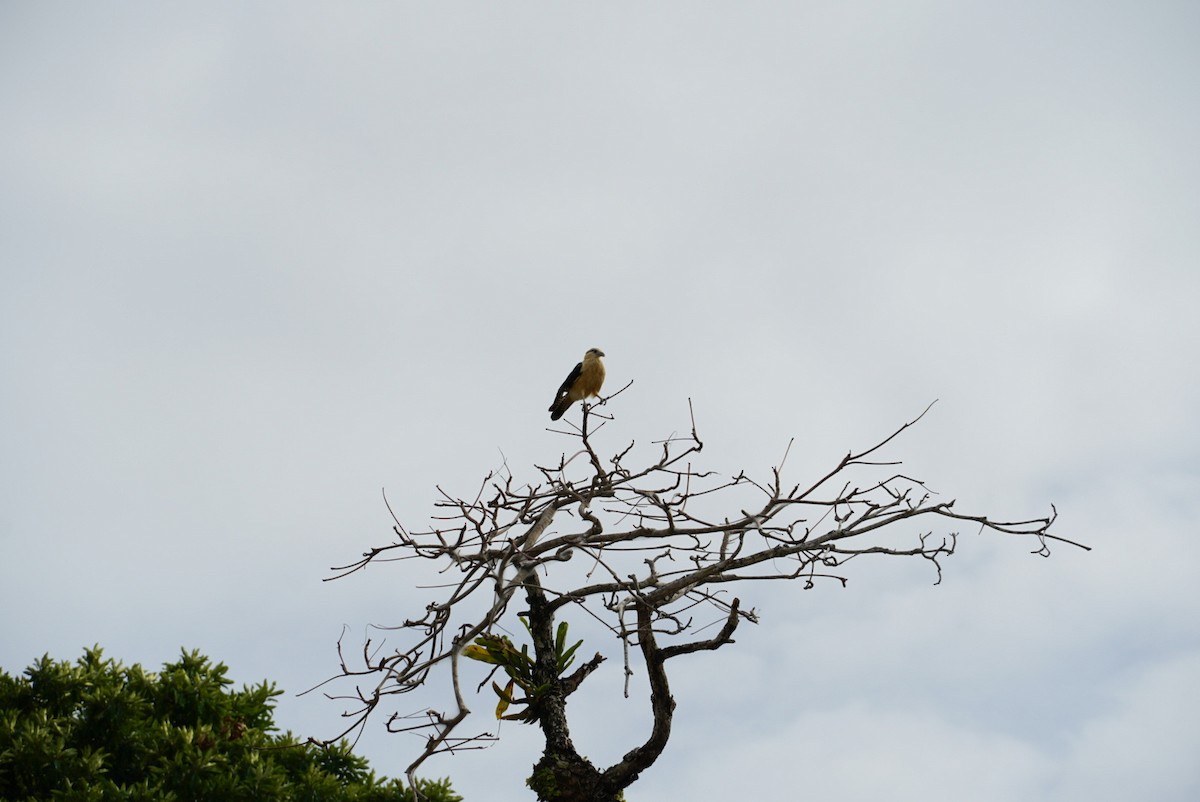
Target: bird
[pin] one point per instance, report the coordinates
(582, 382)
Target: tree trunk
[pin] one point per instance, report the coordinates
(562, 774)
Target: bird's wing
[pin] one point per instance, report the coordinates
(566, 385)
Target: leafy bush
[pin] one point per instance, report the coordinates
(98, 730)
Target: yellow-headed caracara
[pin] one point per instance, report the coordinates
(583, 382)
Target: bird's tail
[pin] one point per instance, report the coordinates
(559, 408)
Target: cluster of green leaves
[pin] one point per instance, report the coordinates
(498, 650)
(98, 730)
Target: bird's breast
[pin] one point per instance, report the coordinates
(591, 379)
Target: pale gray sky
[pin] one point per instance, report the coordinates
(260, 260)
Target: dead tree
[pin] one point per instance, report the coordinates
(651, 552)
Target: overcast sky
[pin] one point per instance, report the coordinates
(261, 260)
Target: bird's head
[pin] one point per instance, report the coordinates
(594, 352)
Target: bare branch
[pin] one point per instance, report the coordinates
(658, 543)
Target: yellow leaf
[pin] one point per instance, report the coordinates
(478, 653)
(505, 695)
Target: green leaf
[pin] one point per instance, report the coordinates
(560, 638)
(566, 658)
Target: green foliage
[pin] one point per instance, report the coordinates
(96, 730)
(518, 665)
